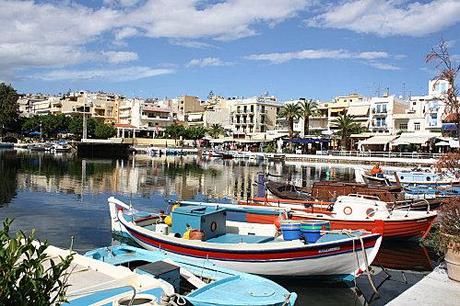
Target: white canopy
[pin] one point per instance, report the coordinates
(413, 138)
(358, 111)
(443, 144)
(378, 140)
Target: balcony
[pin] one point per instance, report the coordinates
(143, 117)
(379, 111)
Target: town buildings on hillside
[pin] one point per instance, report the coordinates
(380, 116)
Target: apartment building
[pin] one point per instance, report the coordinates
(255, 115)
(424, 113)
(383, 110)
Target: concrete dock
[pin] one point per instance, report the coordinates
(434, 289)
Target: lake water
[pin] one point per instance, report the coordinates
(63, 196)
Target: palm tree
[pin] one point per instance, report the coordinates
(307, 109)
(290, 111)
(346, 126)
(216, 130)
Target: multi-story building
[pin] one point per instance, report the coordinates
(255, 115)
(382, 113)
(425, 113)
(218, 111)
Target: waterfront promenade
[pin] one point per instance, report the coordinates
(434, 289)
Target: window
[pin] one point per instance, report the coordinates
(403, 126)
(417, 126)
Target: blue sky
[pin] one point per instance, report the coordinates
(165, 48)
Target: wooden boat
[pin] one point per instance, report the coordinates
(93, 282)
(361, 212)
(330, 190)
(248, 247)
(198, 282)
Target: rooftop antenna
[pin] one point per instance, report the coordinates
(404, 90)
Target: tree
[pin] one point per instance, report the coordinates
(195, 132)
(27, 275)
(104, 131)
(174, 131)
(448, 71)
(307, 109)
(290, 111)
(346, 126)
(76, 126)
(8, 106)
(216, 130)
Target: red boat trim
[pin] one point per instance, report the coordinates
(295, 253)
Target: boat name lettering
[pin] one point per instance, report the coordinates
(329, 250)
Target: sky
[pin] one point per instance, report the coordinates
(165, 48)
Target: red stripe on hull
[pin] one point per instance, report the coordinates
(255, 256)
(389, 229)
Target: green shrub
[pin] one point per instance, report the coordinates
(24, 277)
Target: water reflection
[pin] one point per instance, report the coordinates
(61, 195)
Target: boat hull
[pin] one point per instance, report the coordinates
(334, 259)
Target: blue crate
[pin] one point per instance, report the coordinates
(209, 220)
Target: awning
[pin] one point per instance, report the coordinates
(195, 117)
(378, 140)
(443, 144)
(358, 111)
(412, 138)
(222, 140)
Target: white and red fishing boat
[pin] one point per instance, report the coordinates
(358, 212)
(246, 247)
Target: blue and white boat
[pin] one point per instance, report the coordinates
(246, 246)
(406, 178)
(93, 282)
(203, 282)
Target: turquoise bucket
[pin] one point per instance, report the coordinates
(311, 230)
(290, 230)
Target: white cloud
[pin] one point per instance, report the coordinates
(113, 75)
(125, 33)
(390, 17)
(223, 20)
(383, 66)
(190, 43)
(56, 34)
(207, 61)
(310, 54)
(117, 57)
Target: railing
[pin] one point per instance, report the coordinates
(411, 155)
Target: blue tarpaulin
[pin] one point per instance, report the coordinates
(449, 126)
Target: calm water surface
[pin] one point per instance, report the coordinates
(63, 196)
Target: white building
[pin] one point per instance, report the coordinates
(255, 115)
(382, 113)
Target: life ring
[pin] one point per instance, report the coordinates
(370, 212)
(213, 226)
(347, 210)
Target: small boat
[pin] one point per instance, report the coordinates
(406, 178)
(247, 247)
(198, 282)
(328, 191)
(61, 147)
(288, 191)
(362, 212)
(6, 145)
(276, 157)
(227, 155)
(93, 282)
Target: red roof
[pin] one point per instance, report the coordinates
(452, 118)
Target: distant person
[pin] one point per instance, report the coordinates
(377, 171)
